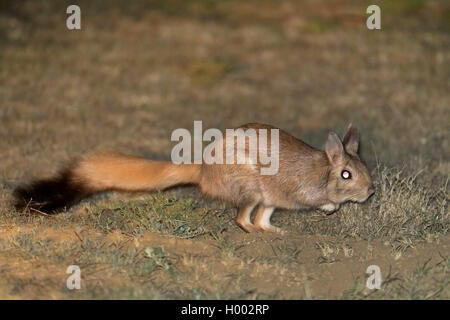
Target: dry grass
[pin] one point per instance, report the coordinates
(402, 208)
(134, 73)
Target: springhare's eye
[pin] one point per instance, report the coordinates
(345, 174)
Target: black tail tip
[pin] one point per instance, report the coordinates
(50, 195)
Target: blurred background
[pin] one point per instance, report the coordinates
(139, 69)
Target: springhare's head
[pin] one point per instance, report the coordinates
(349, 178)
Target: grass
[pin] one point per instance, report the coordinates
(426, 281)
(134, 73)
(182, 218)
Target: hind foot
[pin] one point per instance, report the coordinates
(248, 227)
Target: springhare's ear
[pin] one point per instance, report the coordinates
(351, 140)
(334, 149)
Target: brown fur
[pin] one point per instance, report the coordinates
(307, 178)
(113, 171)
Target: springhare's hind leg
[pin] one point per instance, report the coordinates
(243, 218)
(262, 219)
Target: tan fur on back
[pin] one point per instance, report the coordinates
(300, 181)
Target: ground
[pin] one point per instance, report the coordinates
(137, 71)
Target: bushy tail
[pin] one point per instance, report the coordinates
(99, 173)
